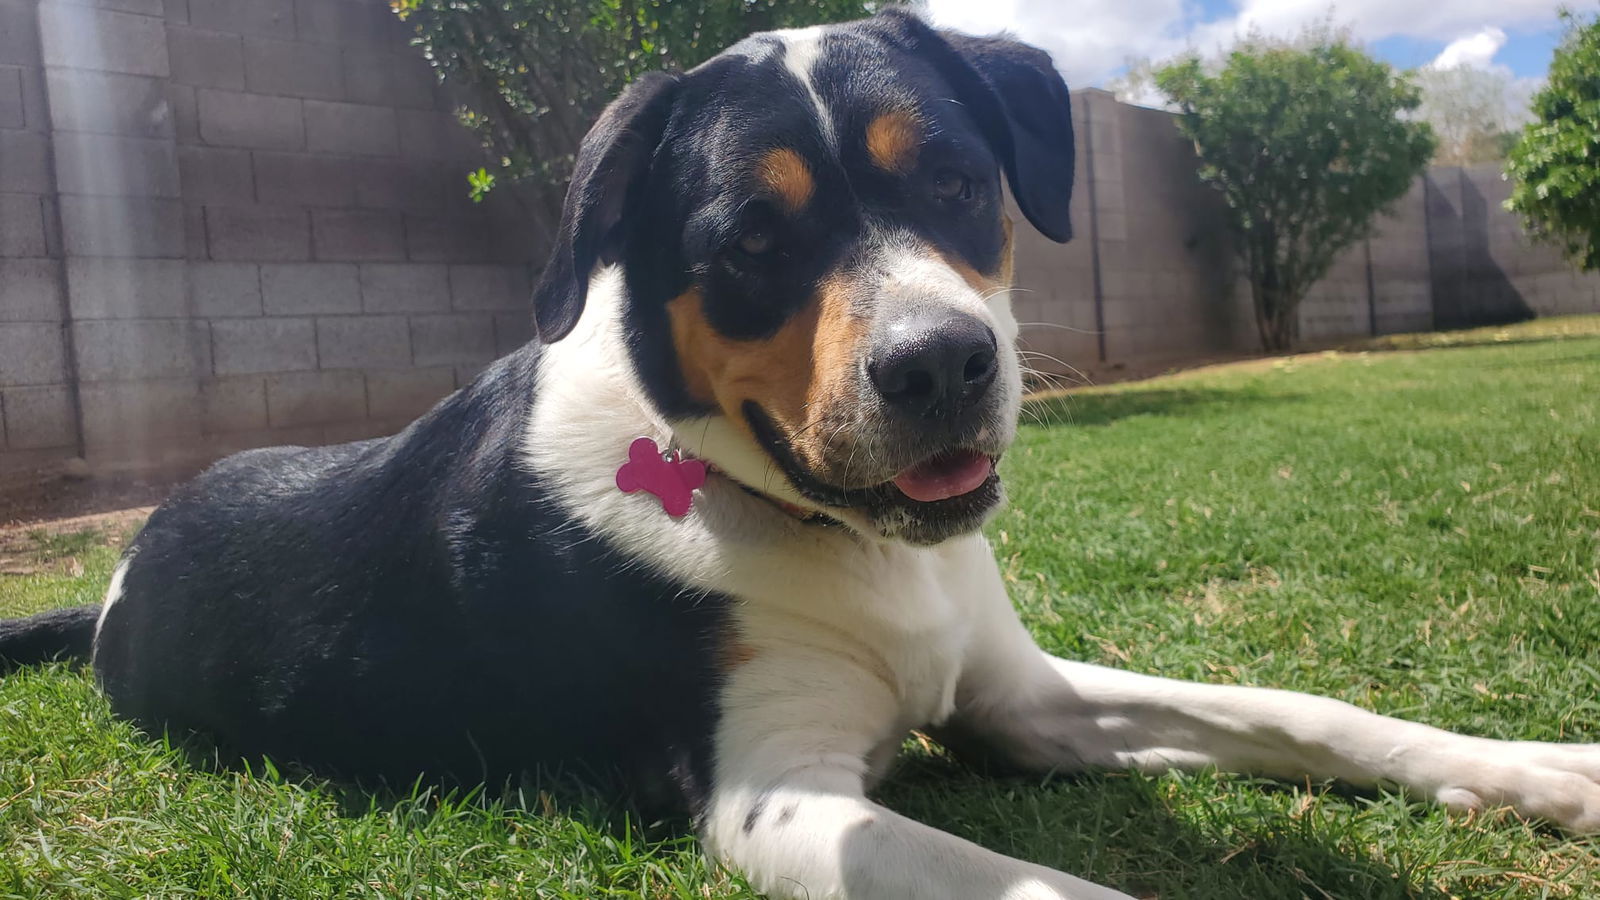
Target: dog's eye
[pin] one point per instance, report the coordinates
(952, 185)
(756, 241)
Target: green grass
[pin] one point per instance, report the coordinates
(1417, 532)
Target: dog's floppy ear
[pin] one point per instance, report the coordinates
(1021, 102)
(612, 160)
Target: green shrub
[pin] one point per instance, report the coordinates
(533, 74)
(1555, 167)
(1307, 141)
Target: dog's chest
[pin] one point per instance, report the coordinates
(883, 634)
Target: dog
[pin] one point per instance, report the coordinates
(718, 528)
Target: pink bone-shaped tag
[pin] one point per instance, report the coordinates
(672, 480)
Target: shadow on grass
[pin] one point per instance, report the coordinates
(1104, 408)
(1119, 827)
(1109, 827)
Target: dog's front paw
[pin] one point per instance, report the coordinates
(1060, 886)
(1559, 783)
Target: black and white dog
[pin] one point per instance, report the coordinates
(787, 269)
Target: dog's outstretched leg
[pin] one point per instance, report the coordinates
(1037, 712)
(788, 806)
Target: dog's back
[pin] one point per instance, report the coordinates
(307, 604)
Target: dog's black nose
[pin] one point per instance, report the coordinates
(934, 365)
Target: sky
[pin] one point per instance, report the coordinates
(1093, 40)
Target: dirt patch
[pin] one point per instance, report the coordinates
(48, 497)
(54, 547)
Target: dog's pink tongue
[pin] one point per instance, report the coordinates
(945, 476)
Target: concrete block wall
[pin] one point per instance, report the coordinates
(1491, 270)
(38, 422)
(263, 231)
(1152, 262)
(234, 223)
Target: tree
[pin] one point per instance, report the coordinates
(1307, 141)
(1555, 167)
(533, 74)
(1470, 111)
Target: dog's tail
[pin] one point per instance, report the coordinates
(66, 634)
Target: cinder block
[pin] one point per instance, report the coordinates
(512, 330)
(185, 109)
(195, 246)
(292, 68)
(109, 103)
(368, 76)
(367, 429)
(232, 404)
(12, 110)
(524, 243)
(127, 288)
(456, 239)
(436, 135)
(232, 119)
(214, 175)
(115, 165)
(251, 346)
(39, 417)
(224, 289)
(50, 212)
(301, 179)
(316, 398)
(31, 353)
(405, 287)
(35, 106)
(416, 84)
(30, 290)
(490, 287)
(270, 18)
(123, 419)
(467, 374)
(344, 22)
(142, 7)
(357, 235)
(147, 348)
(212, 59)
(352, 128)
(258, 233)
(19, 32)
(454, 339)
(81, 37)
(24, 162)
(407, 393)
(149, 227)
(363, 342)
(419, 187)
(22, 226)
(45, 462)
(294, 289)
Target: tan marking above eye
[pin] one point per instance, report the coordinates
(787, 175)
(893, 140)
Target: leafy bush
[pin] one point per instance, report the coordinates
(1307, 141)
(1556, 164)
(533, 74)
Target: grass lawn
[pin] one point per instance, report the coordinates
(1416, 532)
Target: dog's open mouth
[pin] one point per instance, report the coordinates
(943, 494)
(950, 474)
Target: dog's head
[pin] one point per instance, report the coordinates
(812, 237)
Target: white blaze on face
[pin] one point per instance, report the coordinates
(802, 47)
(914, 274)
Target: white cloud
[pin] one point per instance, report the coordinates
(1092, 40)
(1474, 51)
